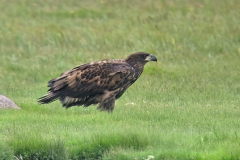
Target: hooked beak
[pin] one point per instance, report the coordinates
(151, 57)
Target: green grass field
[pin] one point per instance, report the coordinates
(185, 106)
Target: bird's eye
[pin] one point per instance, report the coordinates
(145, 56)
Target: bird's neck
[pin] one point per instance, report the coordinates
(135, 64)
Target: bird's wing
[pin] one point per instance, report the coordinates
(93, 78)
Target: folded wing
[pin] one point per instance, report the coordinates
(90, 83)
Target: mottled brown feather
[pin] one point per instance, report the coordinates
(96, 82)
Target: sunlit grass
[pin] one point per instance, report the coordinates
(185, 106)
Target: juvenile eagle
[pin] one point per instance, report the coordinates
(100, 82)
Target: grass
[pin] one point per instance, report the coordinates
(186, 106)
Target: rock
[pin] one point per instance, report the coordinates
(6, 103)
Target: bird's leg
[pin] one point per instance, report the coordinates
(107, 106)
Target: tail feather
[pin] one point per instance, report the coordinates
(51, 83)
(48, 98)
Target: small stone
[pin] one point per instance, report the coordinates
(6, 103)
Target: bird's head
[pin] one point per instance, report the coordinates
(149, 57)
(141, 57)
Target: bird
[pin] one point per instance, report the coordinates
(100, 82)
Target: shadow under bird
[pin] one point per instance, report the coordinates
(100, 82)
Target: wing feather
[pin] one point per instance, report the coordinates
(93, 78)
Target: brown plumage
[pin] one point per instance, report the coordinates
(100, 82)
